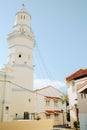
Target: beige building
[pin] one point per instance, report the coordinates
(77, 91)
(49, 105)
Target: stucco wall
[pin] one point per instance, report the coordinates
(27, 125)
(82, 103)
(83, 121)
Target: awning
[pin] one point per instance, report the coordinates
(52, 111)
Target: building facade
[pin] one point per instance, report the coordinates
(48, 100)
(77, 91)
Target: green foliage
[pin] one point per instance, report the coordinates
(64, 99)
(38, 118)
(75, 123)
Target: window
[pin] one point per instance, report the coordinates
(55, 102)
(56, 116)
(7, 108)
(47, 116)
(81, 95)
(47, 100)
(47, 103)
(21, 16)
(19, 55)
(29, 100)
(84, 95)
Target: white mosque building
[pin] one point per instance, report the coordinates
(17, 98)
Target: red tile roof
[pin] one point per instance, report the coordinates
(78, 74)
(53, 111)
(52, 97)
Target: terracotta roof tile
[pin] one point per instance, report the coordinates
(52, 111)
(78, 74)
(52, 97)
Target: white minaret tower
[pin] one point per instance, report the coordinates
(16, 89)
(20, 60)
(21, 44)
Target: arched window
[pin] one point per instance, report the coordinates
(24, 16)
(19, 55)
(21, 16)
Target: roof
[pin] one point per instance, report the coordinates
(77, 75)
(82, 87)
(39, 89)
(49, 86)
(23, 10)
(51, 97)
(49, 92)
(52, 111)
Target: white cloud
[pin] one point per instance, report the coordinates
(39, 83)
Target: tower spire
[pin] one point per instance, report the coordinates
(23, 5)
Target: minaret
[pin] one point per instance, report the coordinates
(20, 49)
(16, 89)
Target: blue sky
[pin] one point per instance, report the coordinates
(60, 30)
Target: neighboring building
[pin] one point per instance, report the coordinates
(18, 100)
(77, 91)
(49, 105)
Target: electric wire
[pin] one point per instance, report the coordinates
(28, 90)
(42, 70)
(40, 66)
(48, 74)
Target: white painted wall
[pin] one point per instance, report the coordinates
(83, 121)
(48, 91)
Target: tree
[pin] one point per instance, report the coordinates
(75, 123)
(65, 100)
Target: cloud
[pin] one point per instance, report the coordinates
(39, 83)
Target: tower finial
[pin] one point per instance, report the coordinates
(23, 5)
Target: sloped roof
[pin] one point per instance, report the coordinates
(39, 89)
(46, 87)
(77, 75)
(52, 97)
(49, 91)
(82, 88)
(82, 85)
